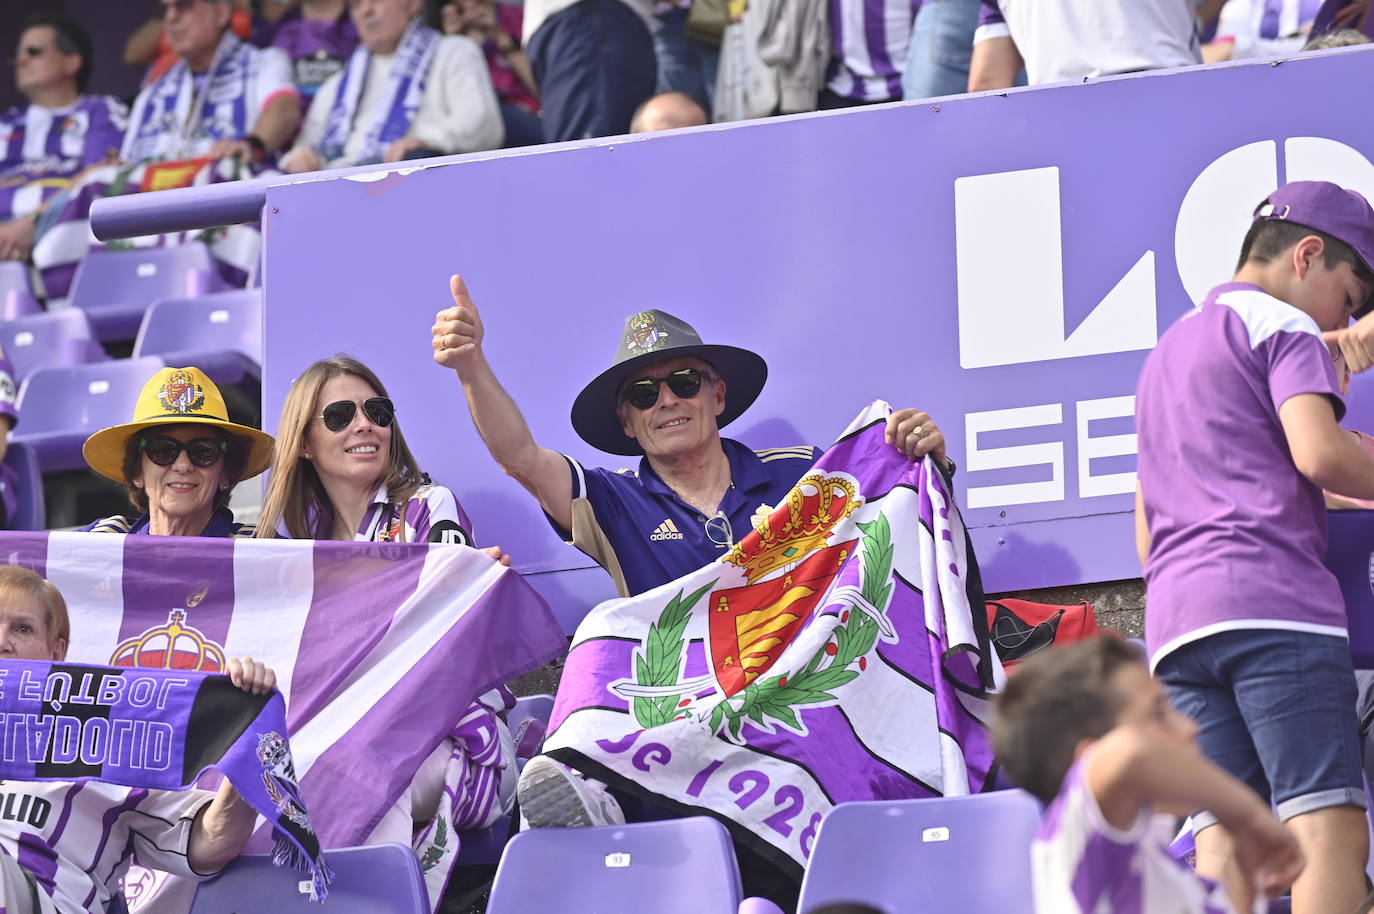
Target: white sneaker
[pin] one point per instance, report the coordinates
(553, 796)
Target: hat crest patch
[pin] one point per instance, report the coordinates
(643, 334)
(181, 394)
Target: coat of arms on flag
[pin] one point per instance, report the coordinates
(831, 655)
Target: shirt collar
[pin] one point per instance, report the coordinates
(746, 470)
(221, 524)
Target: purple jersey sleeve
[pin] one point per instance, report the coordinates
(990, 13)
(1299, 363)
(109, 118)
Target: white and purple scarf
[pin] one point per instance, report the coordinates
(183, 116)
(404, 90)
(159, 730)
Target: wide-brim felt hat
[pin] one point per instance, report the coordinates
(655, 336)
(175, 396)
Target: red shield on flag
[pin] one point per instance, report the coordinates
(751, 626)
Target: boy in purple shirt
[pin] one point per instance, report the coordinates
(1086, 730)
(1237, 411)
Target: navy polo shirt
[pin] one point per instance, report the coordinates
(638, 529)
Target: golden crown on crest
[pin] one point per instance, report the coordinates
(797, 527)
(175, 646)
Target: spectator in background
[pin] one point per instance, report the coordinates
(869, 41)
(1261, 28)
(223, 97)
(1060, 40)
(44, 144)
(594, 63)
(406, 91)
(666, 111)
(1341, 38)
(687, 57)
(147, 47)
(937, 57)
(319, 37)
(496, 28)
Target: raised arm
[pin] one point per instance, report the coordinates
(457, 344)
(1132, 768)
(222, 829)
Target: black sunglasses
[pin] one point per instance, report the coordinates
(339, 415)
(685, 383)
(28, 50)
(203, 452)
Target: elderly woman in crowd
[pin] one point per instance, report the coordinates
(180, 459)
(343, 471)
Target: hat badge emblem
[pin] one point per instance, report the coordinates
(181, 394)
(644, 334)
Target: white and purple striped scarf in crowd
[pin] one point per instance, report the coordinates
(41, 149)
(159, 730)
(381, 650)
(404, 89)
(838, 652)
(181, 115)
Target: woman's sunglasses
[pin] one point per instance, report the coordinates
(685, 383)
(339, 415)
(202, 452)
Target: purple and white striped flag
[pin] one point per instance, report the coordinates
(832, 655)
(380, 649)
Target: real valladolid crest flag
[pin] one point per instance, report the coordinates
(831, 655)
(380, 650)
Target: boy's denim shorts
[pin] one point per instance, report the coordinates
(1276, 709)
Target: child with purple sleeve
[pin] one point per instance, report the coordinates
(1237, 411)
(1086, 730)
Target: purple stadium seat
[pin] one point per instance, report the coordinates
(49, 340)
(680, 866)
(527, 720)
(926, 855)
(60, 407)
(219, 333)
(16, 295)
(380, 879)
(116, 287)
(28, 510)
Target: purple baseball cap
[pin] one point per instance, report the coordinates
(1343, 214)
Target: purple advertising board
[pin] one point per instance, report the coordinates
(1003, 261)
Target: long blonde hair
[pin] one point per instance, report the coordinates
(295, 494)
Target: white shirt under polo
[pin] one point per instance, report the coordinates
(1062, 40)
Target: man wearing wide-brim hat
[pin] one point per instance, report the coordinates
(666, 396)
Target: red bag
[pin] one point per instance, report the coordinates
(1019, 628)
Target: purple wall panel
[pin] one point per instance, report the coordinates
(908, 252)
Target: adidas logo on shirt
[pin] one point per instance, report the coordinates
(666, 531)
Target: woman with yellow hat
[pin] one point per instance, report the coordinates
(179, 458)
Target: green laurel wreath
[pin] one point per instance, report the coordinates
(660, 660)
(435, 851)
(854, 637)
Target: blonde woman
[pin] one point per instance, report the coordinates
(342, 471)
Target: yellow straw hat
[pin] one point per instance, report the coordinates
(171, 397)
